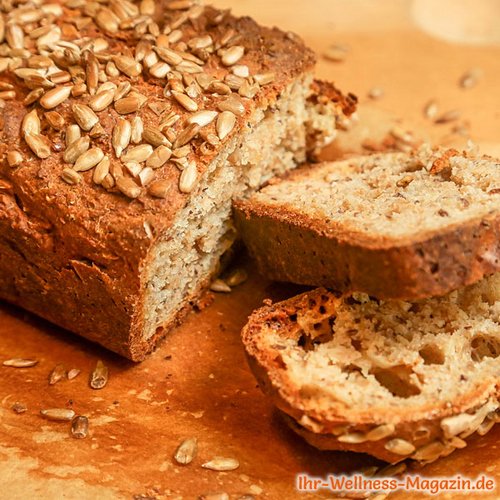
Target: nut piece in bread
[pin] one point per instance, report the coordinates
(396, 225)
(390, 378)
(125, 133)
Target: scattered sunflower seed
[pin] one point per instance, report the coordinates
(221, 464)
(57, 374)
(335, 53)
(80, 427)
(186, 451)
(448, 116)
(73, 373)
(431, 110)
(19, 408)
(58, 414)
(236, 277)
(470, 78)
(99, 376)
(20, 363)
(376, 93)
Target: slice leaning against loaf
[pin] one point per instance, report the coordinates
(121, 148)
(391, 225)
(393, 379)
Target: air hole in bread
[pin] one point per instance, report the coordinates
(397, 380)
(484, 346)
(432, 355)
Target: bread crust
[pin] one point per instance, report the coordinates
(294, 247)
(321, 425)
(74, 254)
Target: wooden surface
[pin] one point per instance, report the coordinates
(205, 389)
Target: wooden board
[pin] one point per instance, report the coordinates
(204, 388)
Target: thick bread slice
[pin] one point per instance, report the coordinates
(393, 379)
(184, 106)
(391, 225)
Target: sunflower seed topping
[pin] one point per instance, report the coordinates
(159, 157)
(137, 153)
(185, 101)
(80, 427)
(84, 116)
(99, 376)
(76, 149)
(31, 123)
(88, 160)
(188, 178)
(39, 144)
(186, 451)
(203, 118)
(225, 124)
(58, 414)
(54, 97)
(219, 285)
(121, 136)
(69, 176)
(14, 158)
(232, 55)
(102, 100)
(128, 187)
(399, 447)
(20, 363)
(221, 464)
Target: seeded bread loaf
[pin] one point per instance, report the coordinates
(390, 378)
(126, 130)
(391, 225)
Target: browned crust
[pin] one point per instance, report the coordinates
(296, 248)
(326, 92)
(271, 372)
(74, 254)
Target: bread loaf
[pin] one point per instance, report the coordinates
(127, 128)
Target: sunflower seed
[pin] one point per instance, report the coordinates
(31, 123)
(380, 432)
(107, 21)
(127, 105)
(187, 134)
(20, 363)
(79, 89)
(39, 144)
(137, 129)
(58, 414)
(179, 4)
(102, 100)
(236, 277)
(225, 124)
(99, 376)
(101, 170)
(264, 78)
(92, 72)
(154, 137)
(241, 70)
(353, 438)
(429, 451)
(14, 158)
(376, 93)
(221, 464)
(84, 116)
(121, 136)
(88, 160)
(335, 53)
(57, 374)
(186, 451)
(146, 176)
(80, 427)
(73, 373)
(448, 116)
(248, 90)
(168, 55)
(33, 96)
(14, 36)
(128, 65)
(232, 55)
(215, 496)
(219, 88)
(402, 135)
(76, 149)
(431, 110)
(160, 69)
(233, 104)
(128, 187)
(219, 285)
(203, 118)
(19, 408)
(138, 153)
(69, 176)
(470, 78)
(73, 133)
(54, 97)
(133, 168)
(185, 101)
(55, 120)
(399, 446)
(159, 157)
(182, 152)
(7, 95)
(122, 90)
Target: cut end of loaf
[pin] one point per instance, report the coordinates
(343, 366)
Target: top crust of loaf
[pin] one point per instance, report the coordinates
(391, 225)
(347, 364)
(103, 235)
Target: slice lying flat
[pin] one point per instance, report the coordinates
(390, 378)
(391, 225)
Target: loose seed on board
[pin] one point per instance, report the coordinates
(447, 117)
(221, 464)
(335, 53)
(99, 376)
(186, 451)
(20, 363)
(57, 374)
(80, 427)
(470, 78)
(225, 124)
(219, 285)
(431, 110)
(58, 414)
(236, 277)
(88, 160)
(376, 93)
(188, 178)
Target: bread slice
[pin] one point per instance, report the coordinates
(390, 378)
(396, 225)
(180, 107)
